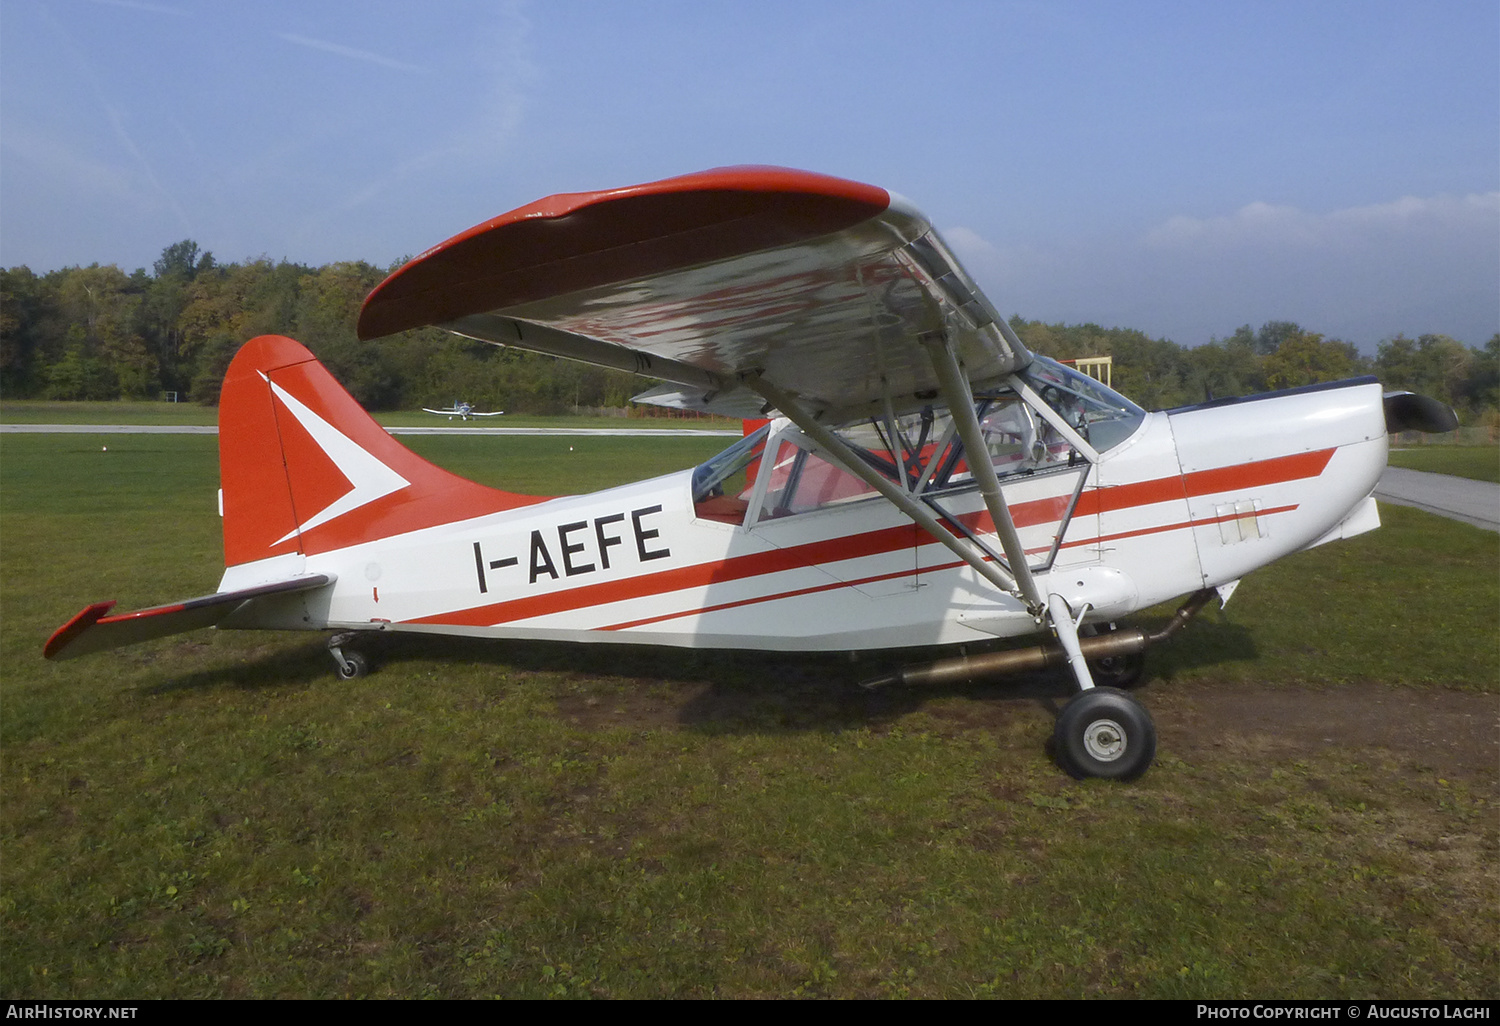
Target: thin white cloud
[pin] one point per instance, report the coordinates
(967, 244)
(351, 53)
(996, 269)
(52, 161)
(1259, 224)
(56, 158)
(505, 93)
(490, 123)
(1413, 265)
(136, 5)
(117, 122)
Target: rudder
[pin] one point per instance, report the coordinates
(305, 470)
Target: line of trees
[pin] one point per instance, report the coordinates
(98, 333)
(1159, 374)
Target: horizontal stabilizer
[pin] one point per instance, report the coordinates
(94, 631)
(1407, 411)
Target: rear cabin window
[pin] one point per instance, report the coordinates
(802, 481)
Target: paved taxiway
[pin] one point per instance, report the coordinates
(1458, 498)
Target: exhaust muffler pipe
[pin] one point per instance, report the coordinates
(987, 666)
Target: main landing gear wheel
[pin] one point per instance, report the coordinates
(1104, 732)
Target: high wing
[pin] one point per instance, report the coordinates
(828, 290)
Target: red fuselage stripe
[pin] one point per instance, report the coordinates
(700, 575)
(934, 569)
(890, 539)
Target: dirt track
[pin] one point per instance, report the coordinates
(1444, 732)
(1450, 733)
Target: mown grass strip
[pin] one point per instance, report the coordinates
(1479, 462)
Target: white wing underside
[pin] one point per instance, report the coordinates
(840, 320)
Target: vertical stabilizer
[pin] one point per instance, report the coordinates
(305, 470)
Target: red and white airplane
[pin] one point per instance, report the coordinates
(857, 518)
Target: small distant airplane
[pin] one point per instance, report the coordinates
(923, 479)
(463, 411)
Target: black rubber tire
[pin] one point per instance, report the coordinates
(1126, 671)
(1104, 732)
(354, 665)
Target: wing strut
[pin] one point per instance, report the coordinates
(1053, 607)
(836, 448)
(1019, 582)
(960, 399)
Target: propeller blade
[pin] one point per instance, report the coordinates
(1407, 411)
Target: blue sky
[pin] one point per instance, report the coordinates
(1182, 168)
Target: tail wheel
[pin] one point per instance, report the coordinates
(1104, 732)
(352, 665)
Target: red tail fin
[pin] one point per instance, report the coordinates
(305, 469)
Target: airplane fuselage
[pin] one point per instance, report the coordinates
(1191, 499)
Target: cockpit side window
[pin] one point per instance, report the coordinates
(1019, 442)
(722, 486)
(919, 451)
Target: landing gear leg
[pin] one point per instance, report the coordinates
(1102, 731)
(1061, 615)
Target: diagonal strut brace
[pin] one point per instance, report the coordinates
(1055, 608)
(848, 461)
(956, 391)
(1019, 582)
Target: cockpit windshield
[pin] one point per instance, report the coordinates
(1104, 417)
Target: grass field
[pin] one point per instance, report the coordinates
(1480, 462)
(41, 411)
(216, 815)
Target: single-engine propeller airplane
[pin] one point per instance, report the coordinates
(924, 479)
(463, 411)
